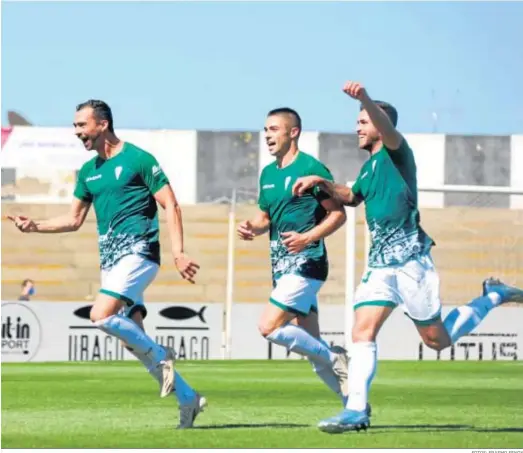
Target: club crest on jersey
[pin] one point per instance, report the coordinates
(287, 181)
(156, 169)
(118, 172)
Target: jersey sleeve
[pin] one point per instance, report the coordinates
(151, 172)
(356, 187)
(318, 169)
(81, 190)
(402, 154)
(262, 203)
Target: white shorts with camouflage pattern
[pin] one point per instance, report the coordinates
(414, 286)
(127, 280)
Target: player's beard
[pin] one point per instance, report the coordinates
(91, 142)
(368, 145)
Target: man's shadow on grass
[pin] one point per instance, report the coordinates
(252, 425)
(407, 428)
(447, 428)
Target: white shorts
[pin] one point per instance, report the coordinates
(127, 280)
(413, 285)
(296, 294)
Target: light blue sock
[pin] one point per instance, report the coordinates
(183, 392)
(326, 373)
(130, 333)
(298, 340)
(463, 320)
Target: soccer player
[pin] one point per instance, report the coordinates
(400, 268)
(124, 183)
(298, 226)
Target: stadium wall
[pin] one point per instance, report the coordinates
(62, 332)
(40, 164)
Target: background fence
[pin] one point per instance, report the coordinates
(478, 230)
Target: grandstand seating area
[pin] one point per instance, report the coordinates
(472, 243)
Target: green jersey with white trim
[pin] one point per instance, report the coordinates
(291, 213)
(387, 183)
(121, 189)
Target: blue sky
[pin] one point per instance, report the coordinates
(217, 65)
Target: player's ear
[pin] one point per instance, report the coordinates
(295, 132)
(104, 124)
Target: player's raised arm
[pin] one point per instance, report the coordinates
(391, 138)
(67, 223)
(339, 192)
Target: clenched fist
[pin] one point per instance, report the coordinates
(355, 90)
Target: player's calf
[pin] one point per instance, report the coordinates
(131, 334)
(276, 327)
(434, 335)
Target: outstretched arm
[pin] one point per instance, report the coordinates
(67, 223)
(341, 193)
(335, 218)
(338, 192)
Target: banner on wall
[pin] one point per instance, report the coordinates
(62, 332)
(53, 155)
(499, 337)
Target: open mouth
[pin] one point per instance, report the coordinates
(85, 140)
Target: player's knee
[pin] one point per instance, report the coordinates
(365, 332)
(266, 328)
(99, 312)
(435, 336)
(96, 314)
(436, 343)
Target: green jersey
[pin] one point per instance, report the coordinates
(387, 183)
(121, 190)
(290, 213)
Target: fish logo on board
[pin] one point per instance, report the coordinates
(83, 312)
(180, 313)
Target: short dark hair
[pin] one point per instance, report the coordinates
(389, 109)
(101, 110)
(26, 281)
(289, 112)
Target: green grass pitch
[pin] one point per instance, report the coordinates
(260, 404)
